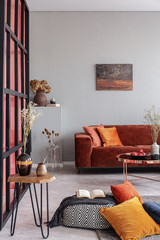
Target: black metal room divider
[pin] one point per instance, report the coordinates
(14, 93)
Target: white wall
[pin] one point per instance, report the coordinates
(64, 48)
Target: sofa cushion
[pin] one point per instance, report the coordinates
(131, 135)
(109, 136)
(124, 191)
(93, 133)
(153, 209)
(130, 220)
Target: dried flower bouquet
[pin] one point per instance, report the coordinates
(40, 85)
(152, 118)
(28, 117)
(50, 136)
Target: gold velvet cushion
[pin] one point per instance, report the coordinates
(93, 133)
(130, 220)
(109, 136)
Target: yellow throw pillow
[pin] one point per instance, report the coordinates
(130, 220)
(109, 136)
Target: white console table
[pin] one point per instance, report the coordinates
(51, 120)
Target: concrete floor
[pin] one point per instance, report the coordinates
(66, 183)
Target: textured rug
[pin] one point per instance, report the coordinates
(111, 235)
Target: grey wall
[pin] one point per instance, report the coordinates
(64, 48)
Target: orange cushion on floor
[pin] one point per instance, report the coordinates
(109, 136)
(93, 133)
(124, 191)
(130, 220)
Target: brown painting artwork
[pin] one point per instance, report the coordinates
(114, 77)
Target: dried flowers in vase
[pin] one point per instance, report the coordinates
(51, 136)
(53, 156)
(28, 117)
(152, 118)
(40, 85)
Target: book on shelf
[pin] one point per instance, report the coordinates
(52, 105)
(91, 195)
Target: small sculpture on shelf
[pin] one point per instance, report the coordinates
(53, 156)
(52, 101)
(40, 87)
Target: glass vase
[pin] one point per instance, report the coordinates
(54, 161)
(51, 156)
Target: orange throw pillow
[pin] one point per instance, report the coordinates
(124, 191)
(130, 220)
(109, 136)
(93, 133)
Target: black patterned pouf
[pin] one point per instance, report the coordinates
(85, 216)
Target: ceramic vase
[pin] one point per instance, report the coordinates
(41, 170)
(24, 164)
(155, 151)
(40, 98)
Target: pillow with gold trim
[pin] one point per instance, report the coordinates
(109, 136)
(130, 220)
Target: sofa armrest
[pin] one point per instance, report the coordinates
(83, 150)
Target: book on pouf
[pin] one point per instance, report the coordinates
(91, 195)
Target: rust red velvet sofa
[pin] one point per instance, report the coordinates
(133, 138)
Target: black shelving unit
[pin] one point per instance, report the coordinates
(14, 93)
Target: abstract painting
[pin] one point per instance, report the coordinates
(114, 77)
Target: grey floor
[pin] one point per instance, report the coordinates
(66, 183)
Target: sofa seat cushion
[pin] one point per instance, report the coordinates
(146, 148)
(106, 156)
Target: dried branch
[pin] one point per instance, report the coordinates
(28, 117)
(152, 118)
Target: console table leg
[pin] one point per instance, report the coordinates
(14, 216)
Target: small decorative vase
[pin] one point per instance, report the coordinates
(41, 170)
(40, 98)
(24, 164)
(155, 151)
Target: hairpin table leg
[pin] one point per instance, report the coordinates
(39, 210)
(14, 216)
(38, 225)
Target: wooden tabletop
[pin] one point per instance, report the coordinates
(32, 178)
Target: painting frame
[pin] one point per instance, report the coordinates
(114, 77)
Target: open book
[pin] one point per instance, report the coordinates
(94, 194)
